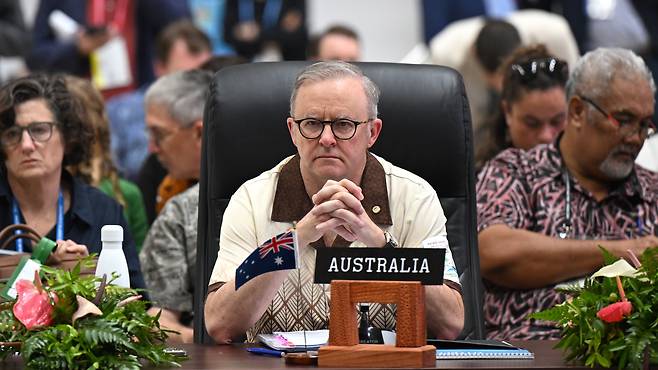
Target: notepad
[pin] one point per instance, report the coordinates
(479, 349)
(292, 341)
(310, 340)
(488, 354)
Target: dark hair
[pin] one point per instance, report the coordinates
(342, 31)
(219, 62)
(313, 46)
(515, 85)
(497, 40)
(77, 136)
(195, 39)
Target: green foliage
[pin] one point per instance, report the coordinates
(586, 338)
(121, 338)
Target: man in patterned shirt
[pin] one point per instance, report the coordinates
(338, 194)
(168, 260)
(543, 213)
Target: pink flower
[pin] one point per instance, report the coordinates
(615, 312)
(33, 307)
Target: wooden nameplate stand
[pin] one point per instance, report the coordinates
(410, 348)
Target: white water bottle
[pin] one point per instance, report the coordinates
(112, 258)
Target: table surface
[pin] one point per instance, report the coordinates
(235, 357)
(228, 357)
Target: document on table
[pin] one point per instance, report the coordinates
(311, 340)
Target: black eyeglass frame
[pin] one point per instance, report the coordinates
(27, 128)
(331, 124)
(650, 128)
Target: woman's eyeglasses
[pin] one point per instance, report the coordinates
(551, 67)
(39, 132)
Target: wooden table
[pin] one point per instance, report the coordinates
(235, 357)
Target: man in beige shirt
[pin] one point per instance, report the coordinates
(337, 194)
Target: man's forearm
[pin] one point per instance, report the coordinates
(522, 259)
(444, 311)
(229, 312)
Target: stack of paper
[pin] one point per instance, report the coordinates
(311, 340)
(478, 349)
(293, 341)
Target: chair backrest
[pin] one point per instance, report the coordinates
(426, 130)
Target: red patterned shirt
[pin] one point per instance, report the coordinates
(526, 190)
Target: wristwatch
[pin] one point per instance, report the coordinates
(390, 241)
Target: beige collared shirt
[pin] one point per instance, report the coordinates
(398, 201)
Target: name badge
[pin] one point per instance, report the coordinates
(110, 65)
(380, 264)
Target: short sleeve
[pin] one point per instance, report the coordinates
(237, 237)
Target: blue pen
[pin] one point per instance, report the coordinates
(265, 352)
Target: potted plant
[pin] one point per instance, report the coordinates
(64, 319)
(613, 319)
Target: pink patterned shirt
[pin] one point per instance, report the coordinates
(526, 190)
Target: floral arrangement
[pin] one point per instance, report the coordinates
(75, 321)
(613, 319)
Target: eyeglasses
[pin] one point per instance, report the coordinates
(159, 135)
(626, 124)
(342, 128)
(552, 67)
(39, 132)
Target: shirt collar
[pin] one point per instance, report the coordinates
(292, 203)
(81, 205)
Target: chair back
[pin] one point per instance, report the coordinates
(426, 130)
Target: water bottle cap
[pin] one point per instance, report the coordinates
(112, 233)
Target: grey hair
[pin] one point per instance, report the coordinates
(595, 70)
(182, 94)
(331, 70)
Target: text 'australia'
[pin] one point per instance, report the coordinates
(379, 265)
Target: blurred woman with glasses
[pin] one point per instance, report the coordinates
(533, 108)
(42, 132)
(99, 169)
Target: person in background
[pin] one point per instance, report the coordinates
(41, 132)
(533, 108)
(543, 213)
(257, 28)
(477, 46)
(168, 257)
(98, 170)
(180, 46)
(494, 41)
(338, 43)
(66, 32)
(174, 120)
(15, 39)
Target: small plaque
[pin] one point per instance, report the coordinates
(380, 264)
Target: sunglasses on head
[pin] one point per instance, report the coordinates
(552, 67)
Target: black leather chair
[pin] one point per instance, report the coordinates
(426, 130)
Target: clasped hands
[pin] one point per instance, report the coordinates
(338, 209)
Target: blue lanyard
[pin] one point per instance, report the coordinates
(270, 13)
(59, 228)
